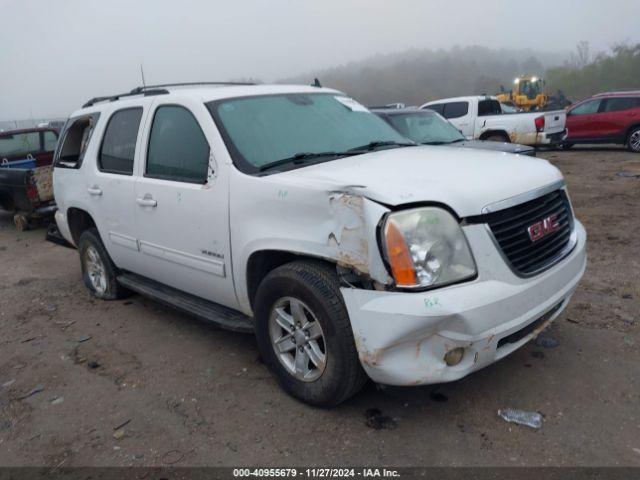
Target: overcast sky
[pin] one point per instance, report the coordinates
(54, 55)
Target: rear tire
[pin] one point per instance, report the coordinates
(98, 271)
(304, 296)
(633, 140)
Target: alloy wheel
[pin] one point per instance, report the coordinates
(297, 339)
(95, 270)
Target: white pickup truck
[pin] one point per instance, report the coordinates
(482, 118)
(295, 213)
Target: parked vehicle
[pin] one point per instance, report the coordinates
(481, 118)
(295, 213)
(529, 93)
(612, 117)
(427, 127)
(26, 185)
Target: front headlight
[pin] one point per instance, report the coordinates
(426, 247)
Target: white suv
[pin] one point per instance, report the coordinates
(294, 212)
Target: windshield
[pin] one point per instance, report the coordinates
(265, 129)
(425, 127)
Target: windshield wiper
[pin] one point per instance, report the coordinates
(380, 143)
(301, 158)
(440, 142)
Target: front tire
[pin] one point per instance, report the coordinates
(304, 334)
(98, 271)
(633, 141)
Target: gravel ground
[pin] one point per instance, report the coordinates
(86, 382)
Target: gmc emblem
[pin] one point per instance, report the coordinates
(543, 228)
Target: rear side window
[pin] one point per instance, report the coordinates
(119, 142)
(455, 109)
(438, 107)
(489, 107)
(75, 140)
(587, 108)
(178, 149)
(621, 103)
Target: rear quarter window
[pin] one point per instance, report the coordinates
(74, 141)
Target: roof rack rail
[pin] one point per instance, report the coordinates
(618, 92)
(113, 98)
(187, 84)
(155, 90)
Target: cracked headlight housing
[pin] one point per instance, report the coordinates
(425, 247)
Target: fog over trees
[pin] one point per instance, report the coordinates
(416, 76)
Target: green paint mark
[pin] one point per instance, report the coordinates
(282, 194)
(431, 302)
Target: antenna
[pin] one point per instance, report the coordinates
(316, 83)
(142, 73)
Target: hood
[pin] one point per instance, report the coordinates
(463, 179)
(496, 146)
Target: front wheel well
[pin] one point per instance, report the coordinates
(262, 262)
(79, 221)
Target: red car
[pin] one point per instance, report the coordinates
(612, 117)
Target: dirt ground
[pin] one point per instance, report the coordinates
(86, 382)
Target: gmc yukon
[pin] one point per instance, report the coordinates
(295, 213)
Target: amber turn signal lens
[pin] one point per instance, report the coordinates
(399, 257)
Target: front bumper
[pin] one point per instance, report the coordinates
(402, 338)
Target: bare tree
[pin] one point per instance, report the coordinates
(581, 57)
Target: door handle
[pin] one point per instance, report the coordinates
(95, 191)
(146, 201)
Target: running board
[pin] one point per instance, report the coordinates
(221, 316)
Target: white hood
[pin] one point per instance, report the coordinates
(466, 180)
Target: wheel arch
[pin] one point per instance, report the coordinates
(79, 220)
(261, 262)
(631, 128)
(495, 131)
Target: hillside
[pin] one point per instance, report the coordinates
(416, 76)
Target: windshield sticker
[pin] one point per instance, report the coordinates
(351, 104)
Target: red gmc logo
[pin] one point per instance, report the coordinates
(543, 228)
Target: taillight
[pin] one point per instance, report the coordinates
(32, 192)
(539, 123)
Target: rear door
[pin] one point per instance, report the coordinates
(110, 184)
(581, 120)
(460, 115)
(181, 203)
(617, 113)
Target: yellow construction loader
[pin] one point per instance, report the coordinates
(529, 93)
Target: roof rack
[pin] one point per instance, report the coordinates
(148, 90)
(142, 89)
(113, 98)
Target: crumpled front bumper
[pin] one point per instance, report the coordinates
(402, 338)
